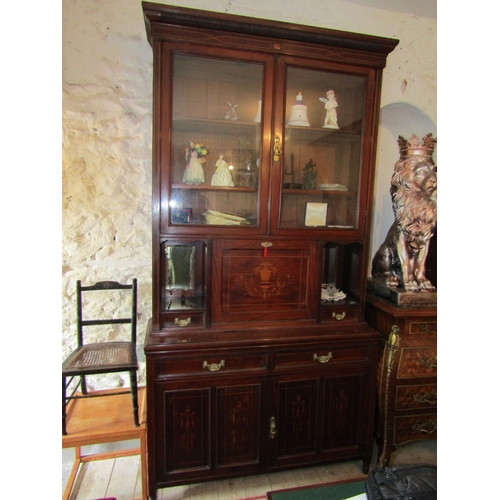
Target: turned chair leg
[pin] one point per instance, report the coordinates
(135, 402)
(64, 406)
(83, 384)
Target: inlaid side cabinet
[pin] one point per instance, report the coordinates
(407, 375)
(258, 355)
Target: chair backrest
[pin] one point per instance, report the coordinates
(109, 286)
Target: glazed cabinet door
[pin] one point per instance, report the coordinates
(211, 165)
(323, 122)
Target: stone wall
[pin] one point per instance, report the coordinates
(107, 94)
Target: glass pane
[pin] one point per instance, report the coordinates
(215, 141)
(322, 149)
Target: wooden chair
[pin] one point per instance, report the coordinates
(101, 357)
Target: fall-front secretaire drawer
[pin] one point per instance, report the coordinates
(210, 363)
(321, 355)
(417, 362)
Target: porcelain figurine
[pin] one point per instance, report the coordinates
(231, 113)
(194, 173)
(222, 176)
(298, 112)
(331, 105)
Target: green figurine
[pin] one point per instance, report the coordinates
(309, 179)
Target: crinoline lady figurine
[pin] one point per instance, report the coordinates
(222, 176)
(194, 173)
(331, 112)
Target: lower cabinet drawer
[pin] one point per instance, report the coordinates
(412, 397)
(415, 427)
(210, 363)
(321, 355)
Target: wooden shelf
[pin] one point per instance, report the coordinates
(203, 187)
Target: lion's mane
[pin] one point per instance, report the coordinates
(415, 207)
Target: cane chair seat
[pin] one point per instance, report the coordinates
(111, 355)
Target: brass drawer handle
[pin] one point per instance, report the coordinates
(426, 397)
(214, 367)
(338, 316)
(322, 359)
(428, 427)
(430, 362)
(182, 322)
(272, 428)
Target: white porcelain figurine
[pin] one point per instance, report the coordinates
(222, 176)
(331, 105)
(193, 173)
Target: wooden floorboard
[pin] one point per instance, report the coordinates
(121, 478)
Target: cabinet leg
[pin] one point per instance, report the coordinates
(366, 466)
(152, 494)
(384, 458)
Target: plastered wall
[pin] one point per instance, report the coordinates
(107, 98)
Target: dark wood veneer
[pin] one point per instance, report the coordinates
(249, 371)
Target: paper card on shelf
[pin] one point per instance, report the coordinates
(316, 214)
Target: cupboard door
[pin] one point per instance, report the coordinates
(238, 425)
(186, 428)
(341, 418)
(321, 124)
(207, 426)
(212, 168)
(297, 418)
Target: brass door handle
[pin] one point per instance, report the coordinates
(338, 316)
(272, 428)
(277, 149)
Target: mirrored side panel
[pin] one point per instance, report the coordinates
(184, 282)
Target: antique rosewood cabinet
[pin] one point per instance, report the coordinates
(407, 378)
(258, 355)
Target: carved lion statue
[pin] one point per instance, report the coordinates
(400, 261)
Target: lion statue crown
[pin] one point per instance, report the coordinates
(400, 261)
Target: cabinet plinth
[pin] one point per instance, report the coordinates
(258, 355)
(407, 374)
